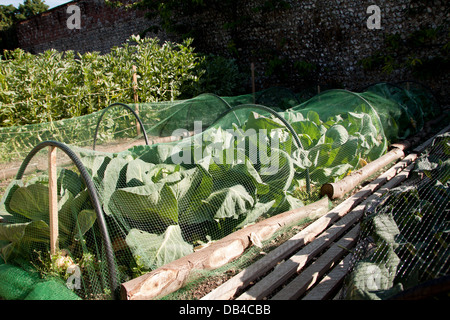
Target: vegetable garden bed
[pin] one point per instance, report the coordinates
(326, 249)
(137, 218)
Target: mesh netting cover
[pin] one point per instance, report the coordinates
(228, 162)
(405, 235)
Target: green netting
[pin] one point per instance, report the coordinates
(25, 283)
(182, 115)
(128, 207)
(404, 240)
(115, 127)
(277, 98)
(411, 118)
(360, 117)
(54, 289)
(16, 283)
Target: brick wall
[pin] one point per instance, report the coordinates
(331, 35)
(102, 27)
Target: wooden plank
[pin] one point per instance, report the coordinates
(330, 283)
(308, 278)
(265, 264)
(228, 289)
(53, 199)
(241, 281)
(296, 262)
(334, 279)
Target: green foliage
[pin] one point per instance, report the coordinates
(216, 75)
(281, 67)
(333, 148)
(276, 66)
(166, 10)
(160, 200)
(413, 53)
(304, 68)
(156, 250)
(410, 231)
(169, 12)
(162, 69)
(9, 15)
(30, 8)
(27, 211)
(57, 85)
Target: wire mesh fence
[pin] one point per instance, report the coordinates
(404, 238)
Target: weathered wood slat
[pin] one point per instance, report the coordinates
(53, 200)
(263, 265)
(330, 283)
(308, 278)
(241, 281)
(296, 262)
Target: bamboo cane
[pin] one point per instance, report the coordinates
(53, 200)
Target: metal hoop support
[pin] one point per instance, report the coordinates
(94, 199)
(127, 107)
(276, 114)
(190, 107)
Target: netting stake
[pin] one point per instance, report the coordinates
(252, 67)
(53, 200)
(94, 199)
(136, 99)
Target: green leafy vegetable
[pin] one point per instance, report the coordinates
(154, 250)
(27, 212)
(409, 232)
(228, 202)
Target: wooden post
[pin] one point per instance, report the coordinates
(252, 67)
(136, 98)
(53, 200)
(337, 190)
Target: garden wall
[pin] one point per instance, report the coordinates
(292, 43)
(101, 27)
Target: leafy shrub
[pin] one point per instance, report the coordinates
(217, 75)
(56, 85)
